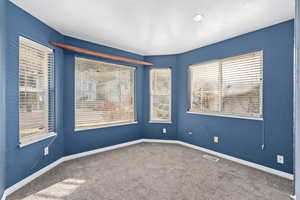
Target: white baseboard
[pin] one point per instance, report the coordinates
(30, 178)
(160, 141)
(240, 161)
(231, 158)
(3, 196)
(88, 153)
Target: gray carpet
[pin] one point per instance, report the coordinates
(154, 172)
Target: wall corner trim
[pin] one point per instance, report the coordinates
(35, 175)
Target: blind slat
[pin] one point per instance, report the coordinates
(160, 94)
(231, 85)
(205, 90)
(36, 78)
(104, 93)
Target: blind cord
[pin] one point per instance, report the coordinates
(263, 136)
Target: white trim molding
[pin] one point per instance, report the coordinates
(227, 157)
(225, 115)
(240, 161)
(160, 141)
(3, 196)
(86, 128)
(35, 175)
(30, 178)
(109, 148)
(35, 138)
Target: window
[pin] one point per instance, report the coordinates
(230, 87)
(104, 94)
(36, 91)
(160, 95)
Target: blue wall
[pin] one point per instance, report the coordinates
(22, 162)
(154, 130)
(80, 141)
(3, 14)
(243, 138)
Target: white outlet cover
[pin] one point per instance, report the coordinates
(164, 130)
(280, 159)
(46, 151)
(216, 139)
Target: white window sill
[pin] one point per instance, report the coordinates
(226, 115)
(160, 122)
(104, 126)
(35, 138)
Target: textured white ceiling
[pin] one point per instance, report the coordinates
(157, 27)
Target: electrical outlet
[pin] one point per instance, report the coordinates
(46, 151)
(164, 130)
(280, 159)
(216, 139)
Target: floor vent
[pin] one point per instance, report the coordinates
(211, 158)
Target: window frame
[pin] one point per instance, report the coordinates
(28, 140)
(107, 125)
(169, 121)
(258, 116)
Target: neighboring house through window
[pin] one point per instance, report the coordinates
(160, 95)
(105, 94)
(230, 86)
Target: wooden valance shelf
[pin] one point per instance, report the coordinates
(99, 54)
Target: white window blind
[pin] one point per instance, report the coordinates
(104, 94)
(230, 86)
(36, 90)
(205, 90)
(160, 95)
(242, 84)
